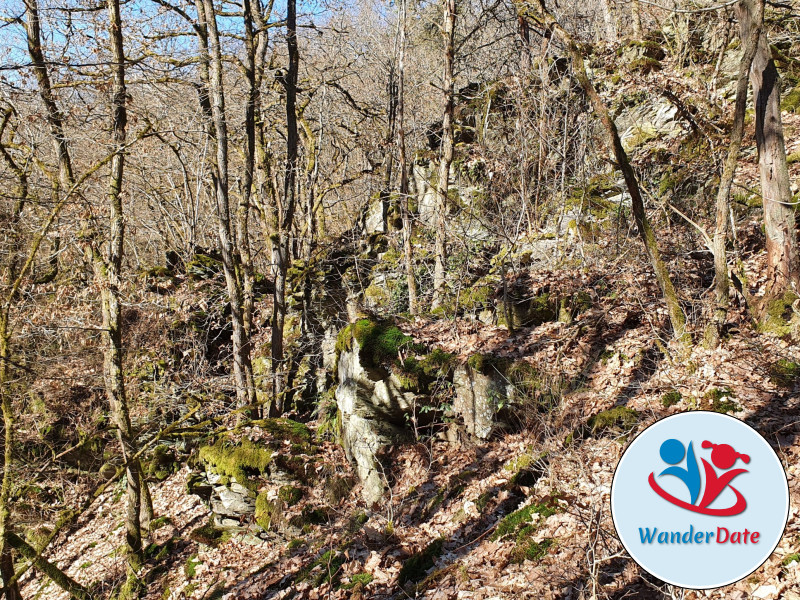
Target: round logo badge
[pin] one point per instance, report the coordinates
(700, 500)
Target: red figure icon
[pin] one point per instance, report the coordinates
(724, 457)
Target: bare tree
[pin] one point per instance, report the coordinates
(281, 238)
(722, 281)
(411, 280)
(213, 103)
(445, 153)
(108, 274)
(783, 256)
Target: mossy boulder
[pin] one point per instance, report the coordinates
(240, 461)
(162, 464)
(204, 266)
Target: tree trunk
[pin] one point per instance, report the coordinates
(722, 281)
(445, 154)
(242, 367)
(280, 240)
(107, 273)
(401, 142)
(54, 117)
(677, 318)
(56, 575)
(783, 259)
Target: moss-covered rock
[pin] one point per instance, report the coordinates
(240, 461)
(210, 535)
(780, 318)
(204, 266)
(379, 341)
(162, 464)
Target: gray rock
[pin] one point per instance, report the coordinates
(374, 409)
(478, 397)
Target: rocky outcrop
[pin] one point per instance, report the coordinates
(373, 406)
(479, 398)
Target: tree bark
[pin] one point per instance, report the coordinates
(445, 154)
(108, 275)
(677, 318)
(722, 281)
(242, 366)
(783, 258)
(408, 253)
(281, 239)
(56, 575)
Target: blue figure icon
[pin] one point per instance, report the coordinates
(672, 452)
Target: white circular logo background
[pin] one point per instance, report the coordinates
(699, 500)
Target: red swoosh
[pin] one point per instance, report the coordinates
(737, 508)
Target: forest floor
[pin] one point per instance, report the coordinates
(614, 354)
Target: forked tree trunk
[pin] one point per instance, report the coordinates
(722, 281)
(445, 154)
(783, 259)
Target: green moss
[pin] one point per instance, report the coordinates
(325, 569)
(527, 549)
(285, 429)
(671, 398)
(791, 101)
(190, 568)
(721, 400)
(416, 566)
(487, 363)
(779, 316)
(268, 512)
(159, 552)
(240, 461)
(203, 266)
(784, 373)
(379, 341)
(416, 374)
(359, 579)
(514, 523)
(619, 418)
(295, 543)
(210, 535)
(160, 522)
(162, 464)
(290, 494)
(645, 65)
(789, 559)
